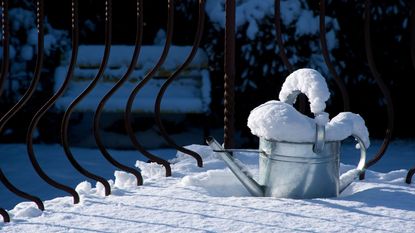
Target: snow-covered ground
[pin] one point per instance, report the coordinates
(208, 199)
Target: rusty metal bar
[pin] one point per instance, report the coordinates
(383, 88)
(78, 99)
(3, 75)
(20, 193)
(283, 55)
(101, 105)
(6, 217)
(26, 96)
(5, 43)
(412, 35)
(229, 77)
(412, 39)
(128, 117)
(38, 115)
(277, 21)
(411, 173)
(196, 42)
(330, 66)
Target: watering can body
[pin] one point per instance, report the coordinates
(294, 170)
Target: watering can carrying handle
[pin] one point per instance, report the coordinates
(347, 178)
(320, 128)
(362, 161)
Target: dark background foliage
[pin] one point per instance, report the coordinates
(390, 32)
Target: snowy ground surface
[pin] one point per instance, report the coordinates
(205, 199)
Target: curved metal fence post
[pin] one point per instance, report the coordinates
(4, 67)
(107, 96)
(5, 42)
(330, 66)
(411, 173)
(26, 96)
(283, 55)
(36, 118)
(20, 193)
(383, 88)
(229, 76)
(49, 103)
(172, 77)
(5, 215)
(80, 97)
(412, 38)
(128, 117)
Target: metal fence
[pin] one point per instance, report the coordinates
(229, 78)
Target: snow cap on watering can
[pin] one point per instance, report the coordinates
(299, 156)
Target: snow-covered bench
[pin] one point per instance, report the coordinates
(189, 93)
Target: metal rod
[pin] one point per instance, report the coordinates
(172, 77)
(412, 39)
(283, 55)
(411, 173)
(39, 114)
(78, 99)
(277, 20)
(330, 66)
(383, 88)
(128, 117)
(5, 43)
(101, 105)
(4, 71)
(412, 35)
(229, 77)
(20, 193)
(29, 92)
(5, 215)
(241, 150)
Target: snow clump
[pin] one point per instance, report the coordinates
(280, 121)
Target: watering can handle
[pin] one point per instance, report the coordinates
(362, 161)
(347, 178)
(320, 125)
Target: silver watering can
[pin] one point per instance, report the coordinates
(295, 170)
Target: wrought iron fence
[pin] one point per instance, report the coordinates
(229, 79)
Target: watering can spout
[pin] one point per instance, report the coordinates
(240, 172)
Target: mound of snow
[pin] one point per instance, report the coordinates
(280, 121)
(83, 188)
(216, 183)
(25, 210)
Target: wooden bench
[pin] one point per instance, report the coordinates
(189, 93)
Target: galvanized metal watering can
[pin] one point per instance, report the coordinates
(295, 170)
